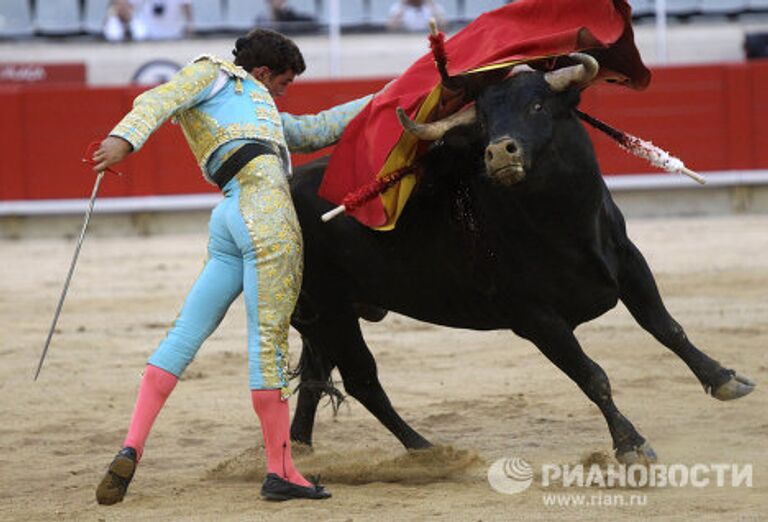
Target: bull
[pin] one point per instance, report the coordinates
(511, 227)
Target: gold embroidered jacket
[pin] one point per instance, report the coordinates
(218, 103)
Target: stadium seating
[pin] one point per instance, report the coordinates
(642, 7)
(207, 15)
(683, 7)
(379, 13)
(379, 10)
(722, 7)
(453, 9)
(474, 8)
(15, 19)
(307, 7)
(353, 12)
(241, 15)
(57, 17)
(757, 5)
(64, 17)
(94, 15)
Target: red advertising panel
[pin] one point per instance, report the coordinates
(41, 73)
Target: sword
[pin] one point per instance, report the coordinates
(88, 211)
(71, 271)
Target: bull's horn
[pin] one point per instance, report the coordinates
(437, 129)
(561, 79)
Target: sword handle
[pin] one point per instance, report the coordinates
(333, 213)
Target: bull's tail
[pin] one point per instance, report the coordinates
(314, 374)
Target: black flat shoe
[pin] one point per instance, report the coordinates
(277, 488)
(114, 485)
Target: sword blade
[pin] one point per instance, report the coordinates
(71, 271)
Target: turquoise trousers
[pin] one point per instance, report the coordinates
(254, 247)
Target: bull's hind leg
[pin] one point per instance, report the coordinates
(337, 333)
(554, 337)
(639, 293)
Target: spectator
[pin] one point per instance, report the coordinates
(121, 24)
(286, 19)
(148, 20)
(414, 15)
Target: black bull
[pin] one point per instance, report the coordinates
(511, 226)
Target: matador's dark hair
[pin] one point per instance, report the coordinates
(266, 47)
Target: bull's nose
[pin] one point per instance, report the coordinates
(504, 161)
(501, 153)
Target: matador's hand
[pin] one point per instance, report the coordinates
(112, 150)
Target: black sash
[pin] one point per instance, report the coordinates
(238, 160)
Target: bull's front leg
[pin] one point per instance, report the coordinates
(554, 337)
(639, 293)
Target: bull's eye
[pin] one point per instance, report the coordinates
(537, 107)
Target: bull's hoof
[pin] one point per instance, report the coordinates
(643, 455)
(737, 386)
(419, 444)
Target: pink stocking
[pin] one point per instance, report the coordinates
(156, 386)
(275, 426)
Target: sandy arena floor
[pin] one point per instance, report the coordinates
(483, 396)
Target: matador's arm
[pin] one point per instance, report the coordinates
(311, 132)
(185, 89)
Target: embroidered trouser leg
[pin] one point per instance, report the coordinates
(254, 247)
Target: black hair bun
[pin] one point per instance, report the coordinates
(239, 44)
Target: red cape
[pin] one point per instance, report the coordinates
(522, 31)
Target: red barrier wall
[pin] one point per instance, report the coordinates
(34, 73)
(713, 117)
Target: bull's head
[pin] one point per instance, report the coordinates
(515, 125)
